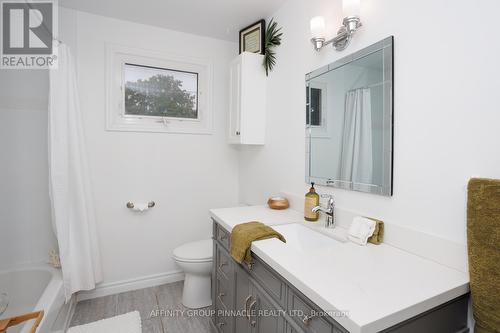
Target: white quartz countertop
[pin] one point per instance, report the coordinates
(377, 286)
(229, 217)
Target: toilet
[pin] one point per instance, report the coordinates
(195, 259)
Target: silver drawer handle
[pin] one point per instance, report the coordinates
(250, 308)
(250, 311)
(307, 319)
(222, 264)
(249, 297)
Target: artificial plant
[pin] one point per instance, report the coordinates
(272, 39)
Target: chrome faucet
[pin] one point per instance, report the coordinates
(329, 211)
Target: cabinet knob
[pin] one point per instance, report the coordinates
(253, 323)
(237, 132)
(221, 324)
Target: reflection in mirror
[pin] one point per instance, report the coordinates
(349, 121)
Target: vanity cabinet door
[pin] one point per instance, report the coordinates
(265, 314)
(213, 285)
(223, 322)
(242, 300)
(267, 278)
(224, 263)
(222, 290)
(290, 329)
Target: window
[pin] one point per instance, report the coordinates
(155, 92)
(313, 117)
(160, 92)
(317, 109)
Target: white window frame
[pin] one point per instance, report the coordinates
(320, 131)
(116, 119)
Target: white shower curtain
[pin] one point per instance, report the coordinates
(356, 163)
(70, 192)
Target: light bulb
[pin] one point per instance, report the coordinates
(351, 8)
(317, 27)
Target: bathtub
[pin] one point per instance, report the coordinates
(31, 289)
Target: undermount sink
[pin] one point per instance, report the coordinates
(337, 233)
(304, 238)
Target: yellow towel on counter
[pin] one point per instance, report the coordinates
(378, 234)
(483, 242)
(244, 234)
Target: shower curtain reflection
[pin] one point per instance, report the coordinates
(356, 161)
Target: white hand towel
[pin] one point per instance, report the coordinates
(361, 229)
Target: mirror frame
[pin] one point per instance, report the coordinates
(386, 189)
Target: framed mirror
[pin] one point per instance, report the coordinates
(349, 121)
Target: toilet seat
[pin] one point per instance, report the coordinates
(191, 260)
(199, 251)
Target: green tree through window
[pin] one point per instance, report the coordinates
(160, 95)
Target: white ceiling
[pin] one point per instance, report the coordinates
(220, 19)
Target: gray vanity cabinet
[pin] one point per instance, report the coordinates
(250, 299)
(256, 299)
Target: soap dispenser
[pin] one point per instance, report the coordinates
(311, 201)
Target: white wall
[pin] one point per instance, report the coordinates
(446, 108)
(185, 175)
(26, 234)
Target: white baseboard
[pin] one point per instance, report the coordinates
(106, 289)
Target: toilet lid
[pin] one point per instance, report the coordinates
(195, 251)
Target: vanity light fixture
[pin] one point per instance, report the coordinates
(350, 24)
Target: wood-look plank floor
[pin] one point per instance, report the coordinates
(160, 307)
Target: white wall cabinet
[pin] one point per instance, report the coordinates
(247, 100)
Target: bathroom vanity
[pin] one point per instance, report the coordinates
(314, 283)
